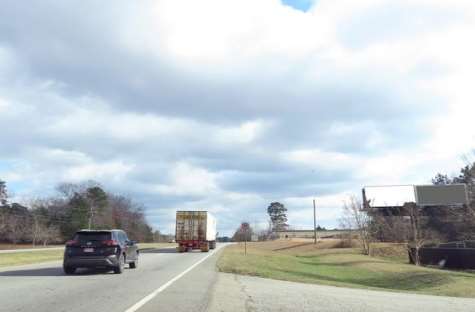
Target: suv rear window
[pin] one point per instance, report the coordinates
(92, 236)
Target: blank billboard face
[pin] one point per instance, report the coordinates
(389, 196)
(441, 195)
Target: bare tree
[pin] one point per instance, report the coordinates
(243, 233)
(387, 226)
(3, 221)
(18, 229)
(49, 234)
(420, 232)
(354, 218)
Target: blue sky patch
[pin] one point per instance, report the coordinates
(302, 5)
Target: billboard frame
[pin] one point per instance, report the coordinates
(367, 206)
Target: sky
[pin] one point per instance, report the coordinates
(229, 105)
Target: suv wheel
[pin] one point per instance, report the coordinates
(69, 270)
(133, 265)
(120, 266)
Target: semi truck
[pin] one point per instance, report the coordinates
(195, 230)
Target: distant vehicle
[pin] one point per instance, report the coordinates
(224, 239)
(94, 249)
(195, 230)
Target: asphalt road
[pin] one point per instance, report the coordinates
(44, 287)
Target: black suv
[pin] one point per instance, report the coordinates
(93, 249)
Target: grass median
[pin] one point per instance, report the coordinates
(39, 256)
(29, 257)
(303, 262)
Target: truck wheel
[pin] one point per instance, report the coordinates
(205, 247)
(133, 265)
(212, 245)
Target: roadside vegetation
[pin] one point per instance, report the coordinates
(27, 246)
(29, 257)
(55, 219)
(326, 264)
(39, 256)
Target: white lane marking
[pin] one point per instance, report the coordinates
(142, 302)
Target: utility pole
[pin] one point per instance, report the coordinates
(314, 222)
(245, 245)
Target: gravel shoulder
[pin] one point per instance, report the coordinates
(232, 293)
(344, 267)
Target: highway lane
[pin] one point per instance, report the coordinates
(44, 287)
(169, 281)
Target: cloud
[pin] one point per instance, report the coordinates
(187, 180)
(229, 105)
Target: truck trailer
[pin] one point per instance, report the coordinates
(195, 230)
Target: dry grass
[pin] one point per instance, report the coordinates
(396, 252)
(29, 257)
(322, 264)
(25, 246)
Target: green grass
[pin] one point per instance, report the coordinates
(26, 246)
(29, 257)
(343, 267)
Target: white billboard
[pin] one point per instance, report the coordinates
(389, 195)
(423, 195)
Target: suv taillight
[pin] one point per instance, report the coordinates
(71, 243)
(110, 242)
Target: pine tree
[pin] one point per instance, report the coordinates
(278, 216)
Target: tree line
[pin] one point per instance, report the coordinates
(74, 206)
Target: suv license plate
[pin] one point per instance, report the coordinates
(88, 249)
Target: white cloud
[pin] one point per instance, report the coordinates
(328, 209)
(187, 180)
(219, 33)
(316, 159)
(245, 133)
(108, 171)
(185, 96)
(3, 105)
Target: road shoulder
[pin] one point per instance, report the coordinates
(232, 293)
